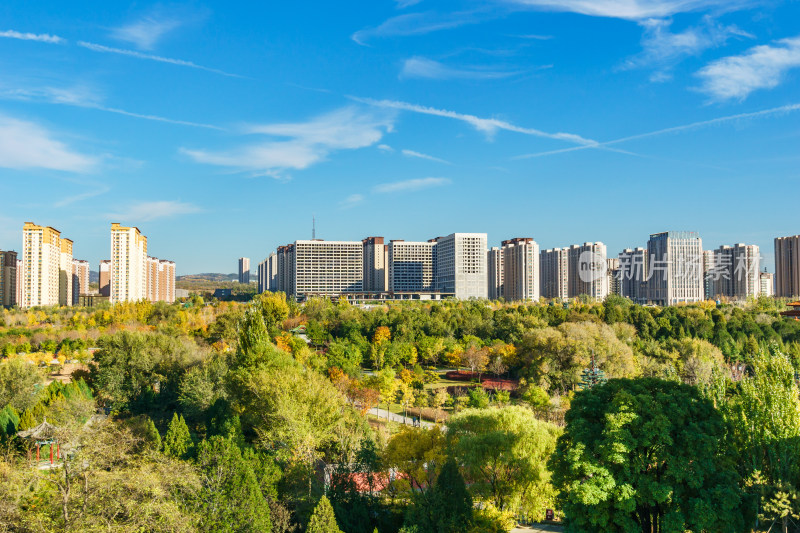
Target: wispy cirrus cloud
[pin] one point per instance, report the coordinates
(417, 24)
(411, 185)
(25, 36)
(424, 68)
(152, 57)
(420, 155)
(145, 32)
(760, 67)
(96, 190)
(351, 201)
(27, 145)
(631, 9)
(662, 49)
(765, 113)
(147, 211)
(487, 126)
(85, 97)
(298, 145)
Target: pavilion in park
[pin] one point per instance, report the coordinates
(794, 311)
(41, 435)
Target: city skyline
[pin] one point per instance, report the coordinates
(558, 121)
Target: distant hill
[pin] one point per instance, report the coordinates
(209, 276)
(94, 276)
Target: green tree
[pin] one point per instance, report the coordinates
(18, 383)
(177, 441)
(645, 455)
(418, 453)
(478, 397)
(446, 507)
(504, 452)
(231, 497)
(323, 519)
(152, 436)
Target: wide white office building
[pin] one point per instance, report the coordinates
(461, 265)
(412, 266)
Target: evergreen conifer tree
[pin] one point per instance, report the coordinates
(177, 442)
(26, 421)
(323, 520)
(152, 436)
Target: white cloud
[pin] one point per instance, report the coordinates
(40, 37)
(25, 145)
(631, 9)
(421, 67)
(402, 4)
(760, 67)
(133, 53)
(416, 24)
(419, 155)
(662, 49)
(411, 185)
(781, 110)
(303, 143)
(385, 148)
(83, 96)
(146, 211)
(351, 201)
(145, 32)
(488, 126)
(96, 190)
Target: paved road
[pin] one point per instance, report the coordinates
(400, 419)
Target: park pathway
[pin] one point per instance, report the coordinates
(400, 419)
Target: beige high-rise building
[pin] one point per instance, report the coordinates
(494, 264)
(80, 279)
(8, 279)
(128, 267)
(521, 269)
(19, 281)
(46, 265)
(104, 278)
(787, 266)
(376, 264)
(554, 269)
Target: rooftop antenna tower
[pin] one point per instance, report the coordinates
(313, 227)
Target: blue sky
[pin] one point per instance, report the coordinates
(220, 129)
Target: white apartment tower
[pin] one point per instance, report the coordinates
(326, 268)
(412, 266)
(676, 267)
(461, 265)
(521, 269)
(128, 269)
(46, 267)
(554, 273)
(494, 264)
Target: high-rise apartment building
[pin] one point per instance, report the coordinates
(554, 273)
(326, 268)
(766, 282)
(521, 269)
(19, 281)
(160, 280)
(587, 272)
(376, 264)
(80, 279)
(244, 270)
(614, 272)
(104, 278)
(461, 265)
(268, 274)
(8, 279)
(494, 265)
(732, 272)
(128, 269)
(46, 265)
(787, 266)
(633, 265)
(676, 267)
(412, 266)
